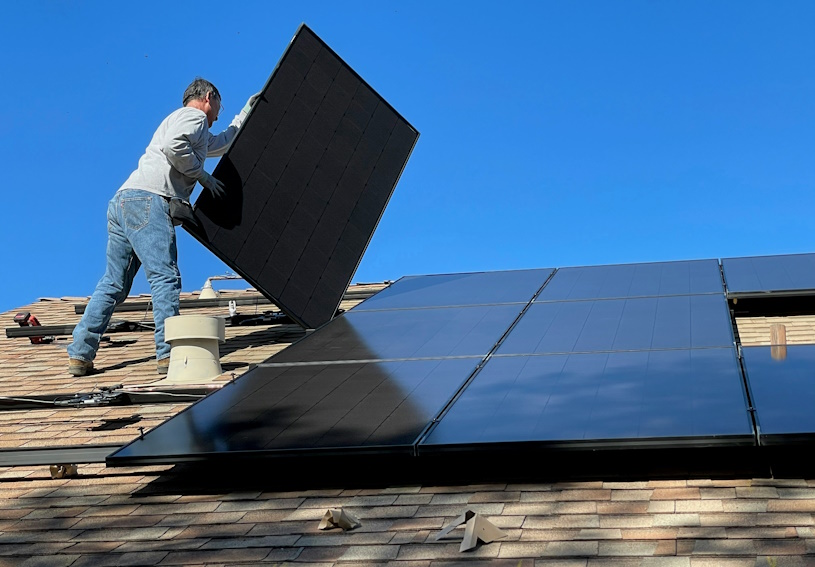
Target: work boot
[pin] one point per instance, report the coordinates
(163, 365)
(79, 367)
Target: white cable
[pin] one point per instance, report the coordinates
(126, 391)
(26, 400)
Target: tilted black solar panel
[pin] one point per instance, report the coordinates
(308, 178)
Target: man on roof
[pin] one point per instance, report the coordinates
(141, 231)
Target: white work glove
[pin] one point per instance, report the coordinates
(251, 102)
(247, 107)
(215, 187)
(237, 122)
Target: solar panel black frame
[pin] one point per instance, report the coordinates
(787, 274)
(308, 176)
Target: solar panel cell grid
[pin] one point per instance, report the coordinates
(346, 406)
(634, 280)
(761, 275)
(459, 289)
(601, 396)
(367, 335)
(622, 324)
(782, 382)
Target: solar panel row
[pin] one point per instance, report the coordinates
(440, 363)
(763, 275)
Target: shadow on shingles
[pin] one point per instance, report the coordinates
(229, 366)
(238, 471)
(265, 336)
(123, 364)
(119, 344)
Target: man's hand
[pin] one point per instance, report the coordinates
(250, 103)
(215, 187)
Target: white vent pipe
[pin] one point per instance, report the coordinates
(194, 356)
(207, 292)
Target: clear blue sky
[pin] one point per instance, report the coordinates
(553, 133)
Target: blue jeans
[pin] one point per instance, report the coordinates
(140, 231)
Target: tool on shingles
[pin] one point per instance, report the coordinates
(106, 396)
(26, 319)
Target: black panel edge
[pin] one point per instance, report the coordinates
(266, 85)
(642, 263)
(199, 237)
(300, 29)
(772, 304)
(303, 26)
(528, 447)
(254, 283)
(226, 457)
(770, 294)
(787, 439)
(325, 46)
(73, 454)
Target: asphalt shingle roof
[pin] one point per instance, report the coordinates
(194, 515)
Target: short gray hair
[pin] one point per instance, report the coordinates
(198, 90)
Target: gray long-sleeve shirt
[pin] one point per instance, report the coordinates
(174, 159)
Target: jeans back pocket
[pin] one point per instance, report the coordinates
(136, 212)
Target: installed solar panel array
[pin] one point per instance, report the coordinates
(610, 356)
(308, 178)
(781, 377)
(371, 380)
(782, 383)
